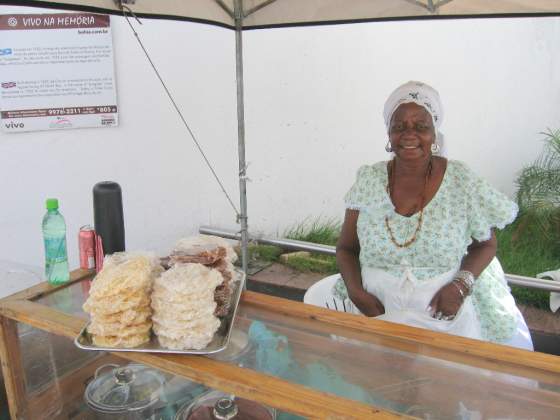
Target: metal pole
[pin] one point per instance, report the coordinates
(238, 11)
(288, 244)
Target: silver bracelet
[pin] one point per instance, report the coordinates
(459, 289)
(467, 278)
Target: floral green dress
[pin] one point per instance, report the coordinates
(464, 207)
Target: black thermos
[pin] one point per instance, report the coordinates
(108, 216)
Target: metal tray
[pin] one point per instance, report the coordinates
(218, 343)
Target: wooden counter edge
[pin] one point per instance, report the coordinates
(461, 345)
(12, 368)
(44, 288)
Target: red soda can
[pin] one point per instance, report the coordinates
(86, 242)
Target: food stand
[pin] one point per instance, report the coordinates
(304, 360)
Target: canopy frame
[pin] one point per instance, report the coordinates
(422, 10)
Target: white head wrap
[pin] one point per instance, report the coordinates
(418, 93)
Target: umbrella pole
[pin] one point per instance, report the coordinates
(241, 134)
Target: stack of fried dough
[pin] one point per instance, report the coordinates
(213, 253)
(119, 301)
(205, 242)
(183, 305)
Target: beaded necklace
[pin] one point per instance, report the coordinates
(390, 188)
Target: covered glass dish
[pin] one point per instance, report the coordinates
(216, 405)
(125, 392)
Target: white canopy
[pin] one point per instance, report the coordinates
(270, 13)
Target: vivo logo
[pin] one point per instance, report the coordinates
(12, 124)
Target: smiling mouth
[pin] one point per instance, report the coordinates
(410, 147)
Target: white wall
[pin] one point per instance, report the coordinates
(314, 98)
(167, 191)
(316, 95)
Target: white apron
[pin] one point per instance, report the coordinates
(406, 300)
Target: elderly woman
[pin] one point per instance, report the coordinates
(417, 245)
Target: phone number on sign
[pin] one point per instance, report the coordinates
(82, 110)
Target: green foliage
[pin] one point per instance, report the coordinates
(538, 192)
(267, 253)
(318, 231)
(315, 263)
(531, 245)
(531, 297)
(527, 255)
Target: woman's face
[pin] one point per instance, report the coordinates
(411, 132)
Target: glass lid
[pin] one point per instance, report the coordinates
(218, 405)
(124, 388)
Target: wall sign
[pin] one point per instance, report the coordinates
(56, 72)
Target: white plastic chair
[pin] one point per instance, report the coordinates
(320, 294)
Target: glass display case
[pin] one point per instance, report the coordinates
(296, 359)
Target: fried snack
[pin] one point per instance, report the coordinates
(222, 297)
(213, 252)
(200, 255)
(226, 269)
(125, 278)
(139, 299)
(205, 327)
(128, 341)
(119, 301)
(223, 292)
(191, 342)
(116, 258)
(180, 298)
(187, 280)
(180, 312)
(119, 330)
(176, 327)
(127, 317)
(183, 304)
(205, 242)
(163, 300)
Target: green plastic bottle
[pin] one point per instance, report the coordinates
(54, 236)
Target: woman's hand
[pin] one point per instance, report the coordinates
(367, 303)
(446, 302)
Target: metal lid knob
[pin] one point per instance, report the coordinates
(124, 376)
(225, 409)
